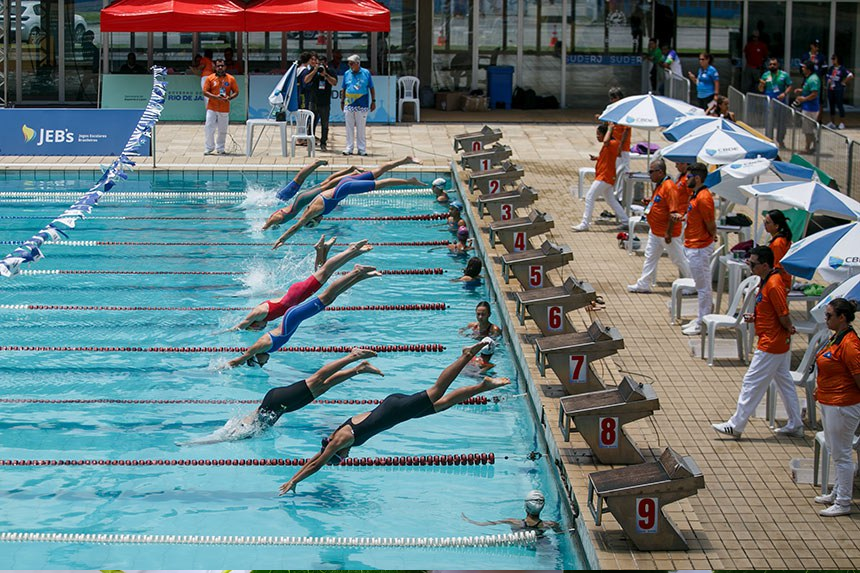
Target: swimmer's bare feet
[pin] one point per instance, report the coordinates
(366, 270)
(321, 162)
(361, 353)
(415, 181)
(368, 368)
(490, 383)
(413, 159)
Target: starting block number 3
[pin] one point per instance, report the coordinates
(535, 276)
(476, 146)
(486, 164)
(507, 211)
(608, 432)
(646, 514)
(494, 185)
(578, 369)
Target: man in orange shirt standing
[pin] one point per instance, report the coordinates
(699, 242)
(665, 232)
(219, 88)
(772, 358)
(604, 179)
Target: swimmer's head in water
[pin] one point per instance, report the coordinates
(534, 502)
(490, 349)
(274, 220)
(462, 233)
(314, 222)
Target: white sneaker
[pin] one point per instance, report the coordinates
(790, 432)
(692, 329)
(835, 511)
(841, 126)
(726, 429)
(210, 152)
(828, 499)
(831, 125)
(639, 289)
(579, 228)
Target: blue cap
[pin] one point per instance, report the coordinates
(456, 204)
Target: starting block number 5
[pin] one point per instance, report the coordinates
(646, 514)
(554, 321)
(494, 185)
(578, 369)
(486, 164)
(519, 241)
(476, 146)
(507, 211)
(535, 276)
(608, 432)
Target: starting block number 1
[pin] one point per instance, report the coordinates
(535, 276)
(646, 514)
(476, 146)
(519, 241)
(494, 185)
(608, 432)
(578, 369)
(486, 164)
(507, 211)
(554, 322)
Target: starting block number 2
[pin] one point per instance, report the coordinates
(578, 369)
(494, 185)
(646, 514)
(608, 437)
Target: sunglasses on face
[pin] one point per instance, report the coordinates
(655, 171)
(753, 264)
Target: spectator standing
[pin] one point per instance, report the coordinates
(131, 66)
(755, 54)
(90, 53)
(232, 66)
(671, 60)
(838, 77)
(699, 239)
(321, 80)
(819, 64)
(622, 134)
(838, 392)
(707, 80)
(307, 60)
(655, 56)
(220, 89)
(772, 358)
(776, 84)
(357, 99)
(604, 179)
(809, 102)
(664, 214)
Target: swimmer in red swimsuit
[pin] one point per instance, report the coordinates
(298, 292)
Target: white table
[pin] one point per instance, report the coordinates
(262, 123)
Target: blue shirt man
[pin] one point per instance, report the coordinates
(357, 98)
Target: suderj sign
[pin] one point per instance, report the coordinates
(67, 131)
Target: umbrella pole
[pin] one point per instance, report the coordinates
(806, 223)
(755, 223)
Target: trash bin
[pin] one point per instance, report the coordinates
(500, 85)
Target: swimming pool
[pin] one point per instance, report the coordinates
(207, 223)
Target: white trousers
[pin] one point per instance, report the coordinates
(840, 423)
(215, 130)
(605, 189)
(699, 261)
(356, 139)
(622, 166)
(765, 367)
(653, 251)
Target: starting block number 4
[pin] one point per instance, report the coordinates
(535, 276)
(578, 369)
(554, 319)
(519, 241)
(507, 211)
(494, 185)
(486, 164)
(646, 514)
(608, 432)
(476, 146)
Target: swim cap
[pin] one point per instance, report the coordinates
(456, 204)
(439, 182)
(534, 502)
(462, 233)
(490, 348)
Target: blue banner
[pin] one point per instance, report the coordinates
(67, 131)
(604, 60)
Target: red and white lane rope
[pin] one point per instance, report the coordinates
(125, 196)
(217, 349)
(425, 217)
(366, 307)
(48, 272)
(474, 401)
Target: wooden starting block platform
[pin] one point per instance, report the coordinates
(514, 234)
(501, 206)
(549, 306)
(494, 180)
(636, 496)
(600, 418)
(486, 158)
(477, 140)
(531, 267)
(571, 356)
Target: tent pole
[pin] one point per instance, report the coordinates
(247, 76)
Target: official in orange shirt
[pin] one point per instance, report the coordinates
(699, 242)
(681, 181)
(665, 232)
(220, 88)
(623, 134)
(776, 224)
(604, 179)
(772, 358)
(838, 393)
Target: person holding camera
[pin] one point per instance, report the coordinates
(320, 80)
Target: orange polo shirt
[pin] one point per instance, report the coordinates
(208, 67)
(619, 132)
(213, 85)
(667, 199)
(780, 246)
(838, 363)
(700, 209)
(771, 304)
(605, 168)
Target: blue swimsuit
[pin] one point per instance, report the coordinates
(346, 188)
(293, 318)
(289, 191)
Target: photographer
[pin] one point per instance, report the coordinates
(321, 79)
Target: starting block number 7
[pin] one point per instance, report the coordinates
(578, 369)
(646, 514)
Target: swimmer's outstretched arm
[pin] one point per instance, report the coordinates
(257, 313)
(263, 344)
(497, 522)
(340, 440)
(311, 212)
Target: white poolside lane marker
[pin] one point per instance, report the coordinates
(118, 196)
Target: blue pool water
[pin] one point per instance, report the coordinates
(372, 501)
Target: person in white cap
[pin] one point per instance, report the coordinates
(357, 99)
(534, 503)
(439, 190)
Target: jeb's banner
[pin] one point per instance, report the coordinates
(68, 131)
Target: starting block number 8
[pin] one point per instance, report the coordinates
(476, 146)
(485, 164)
(494, 185)
(578, 369)
(554, 322)
(646, 514)
(535, 276)
(608, 432)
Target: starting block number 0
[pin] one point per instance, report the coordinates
(507, 211)
(485, 164)
(476, 146)
(646, 514)
(554, 322)
(608, 432)
(519, 241)
(578, 369)
(494, 185)
(535, 276)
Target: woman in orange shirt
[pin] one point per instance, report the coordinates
(776, 224)
(838, 393)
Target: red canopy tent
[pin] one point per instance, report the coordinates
(314, 15)
(173, 16)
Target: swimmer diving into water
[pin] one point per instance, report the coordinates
(395, 409)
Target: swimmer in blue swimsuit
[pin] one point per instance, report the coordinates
(258, 353)
(288, 192)
(395, 409)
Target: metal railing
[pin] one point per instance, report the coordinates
(737, 102)
(755, 111)
(677, 87)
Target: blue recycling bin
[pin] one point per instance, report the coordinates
(500, 85)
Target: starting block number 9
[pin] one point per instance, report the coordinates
(646, 514)
(494, 185)
(535, 276)
(476, 146)
(578, 369)
(519, 241)
(507, 211)
(485, 164)
(554, 322)
(608, 432)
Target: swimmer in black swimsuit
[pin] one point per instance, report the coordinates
(482, 326)
(534, 504)
(396, 408)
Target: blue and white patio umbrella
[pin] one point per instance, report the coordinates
(718, 148)
(849, 289)
(699, 124)
(833, 253)
(727, 180)
(648, 111)
(285, 95)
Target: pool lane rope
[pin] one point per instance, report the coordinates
(426, 217)
(476, 541)
(124, 196)
(40, 272)
(29, 250)
(219, 244)
(219, 349)
(474, 401)
(367, 307)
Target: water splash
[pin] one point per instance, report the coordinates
(240, 427)
(259, 202)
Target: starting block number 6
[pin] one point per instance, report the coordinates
(476, 146)
(535, 276)
(554, 322)
(646, 514)
(485, 164)
(608, 432)
(578, 369)
(494, 185)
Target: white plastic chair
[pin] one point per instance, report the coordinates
(810, 326)
(303, 119)
(822, 460)
(741, 303)
(636, 218)
(679, 286)
(804, 377)
(409, 86)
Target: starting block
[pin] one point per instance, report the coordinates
(600, 417)
(501, 206)
(549, 306)
(494, 180)
(531, 267)
(571, 356)
(477, 140)
(514, 234)
(636, 496)
(486, 158)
